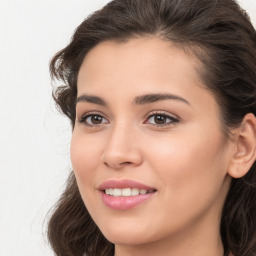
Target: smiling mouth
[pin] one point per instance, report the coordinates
(125, 192)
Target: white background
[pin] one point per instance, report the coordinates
(34, 137)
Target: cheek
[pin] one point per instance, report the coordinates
(85, 154)
(190, 170)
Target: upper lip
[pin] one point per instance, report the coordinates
(123, 184)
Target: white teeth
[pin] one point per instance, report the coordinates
(117, 192)
(126, 191)
(135, 191)
(109, 191)
(143, 191)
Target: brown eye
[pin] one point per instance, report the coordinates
(161, 120)
(96, 119)
(93, 119)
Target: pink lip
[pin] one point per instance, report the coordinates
(122, 202)
(123, 184)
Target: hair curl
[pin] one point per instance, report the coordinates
(222, 37)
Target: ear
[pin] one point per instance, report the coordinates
(244, 147)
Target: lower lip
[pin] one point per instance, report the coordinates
(124, 202)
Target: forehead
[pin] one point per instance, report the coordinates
(136, 57)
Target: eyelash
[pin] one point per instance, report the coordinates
(172, 120)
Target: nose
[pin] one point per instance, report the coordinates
(121, 148)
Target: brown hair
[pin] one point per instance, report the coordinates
(220, 34)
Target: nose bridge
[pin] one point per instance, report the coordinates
(119, 133)
(121, 146)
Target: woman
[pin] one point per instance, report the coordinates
(161, 95)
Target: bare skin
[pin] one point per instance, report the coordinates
(174, 145)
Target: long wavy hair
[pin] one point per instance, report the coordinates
(221, 36)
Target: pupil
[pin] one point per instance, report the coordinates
(96, 119)
(160, 119)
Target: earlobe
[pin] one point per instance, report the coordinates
(244, 154)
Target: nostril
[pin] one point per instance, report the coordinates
(105, 163)
(126, 163)
(117, 165)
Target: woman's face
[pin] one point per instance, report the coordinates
(145, 124)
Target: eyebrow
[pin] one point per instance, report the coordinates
(92, 99)
(150, 98)
(140, 100)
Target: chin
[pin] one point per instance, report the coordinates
(127, 233)
(126, 238)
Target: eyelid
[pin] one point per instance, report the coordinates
(162, 112)
(91, 113)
